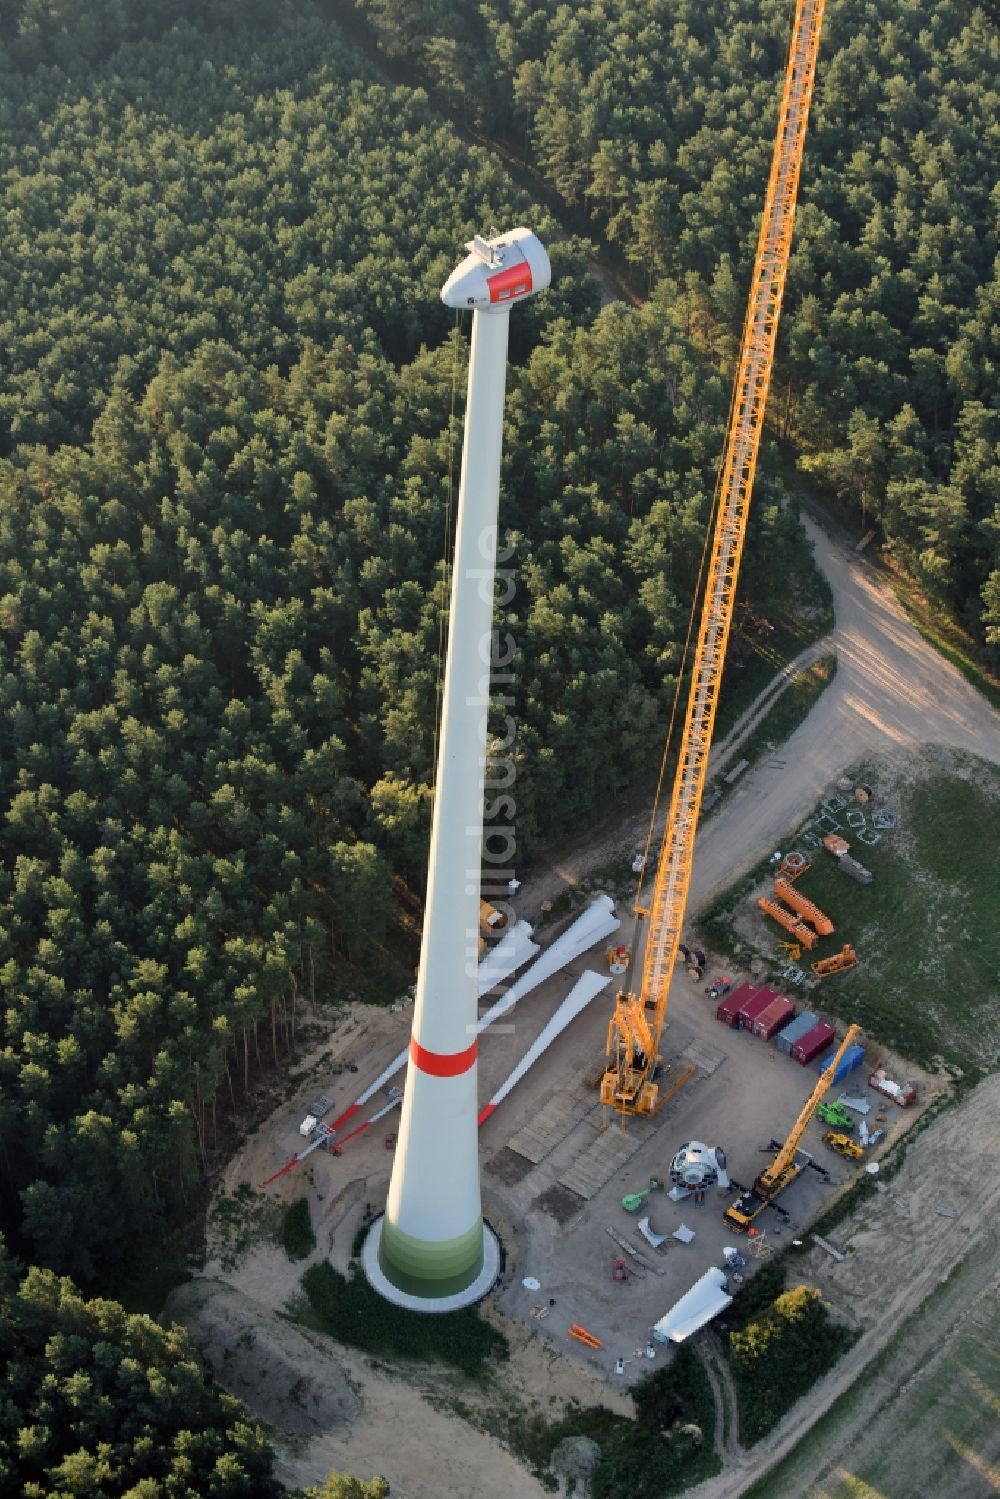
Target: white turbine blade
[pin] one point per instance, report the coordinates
(593, 925)
(577, 1000)
(511, 952)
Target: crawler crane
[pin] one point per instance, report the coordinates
(787, 1164)
(629, 1082)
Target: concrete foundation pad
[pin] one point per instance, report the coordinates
(483, 1283)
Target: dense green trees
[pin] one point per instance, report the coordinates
(228, 437)
(100, 1402)
(778, 1354)
(658, 119)
(346, 1486)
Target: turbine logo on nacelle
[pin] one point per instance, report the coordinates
(498, 272)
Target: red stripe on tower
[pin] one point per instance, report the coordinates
(513, 282)
(442, 1064)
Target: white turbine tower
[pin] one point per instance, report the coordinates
(431, 1250)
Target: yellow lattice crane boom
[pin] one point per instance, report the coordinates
(630, 1089)
(786, 1165)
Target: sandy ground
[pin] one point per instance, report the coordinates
(891, 696)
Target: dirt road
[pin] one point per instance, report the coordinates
(892, 694)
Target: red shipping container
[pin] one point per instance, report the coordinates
(778, 1013)
(729, 1008)
(755, 1005)
(813, 1042)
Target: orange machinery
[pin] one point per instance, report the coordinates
(846, 958)
(789, 921)
(805, 908)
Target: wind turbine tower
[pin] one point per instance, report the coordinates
(431, 1251)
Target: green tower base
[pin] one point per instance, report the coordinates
(462, 1270)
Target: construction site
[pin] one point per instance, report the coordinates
(558, 1164)
(606, 1149)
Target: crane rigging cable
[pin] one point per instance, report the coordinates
(629, 1084)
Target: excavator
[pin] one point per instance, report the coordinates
(787, 1163)
(631, 1079)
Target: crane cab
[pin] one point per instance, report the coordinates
(740, 1214)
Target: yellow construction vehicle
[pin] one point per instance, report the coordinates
(787, 1163)
(629, 1084)
(843, 1145)
(630, 1040)
(491, 921)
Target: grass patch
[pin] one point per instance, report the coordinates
(346, 1308)
(296, 1232)
(790, 709)
(237, 1221)
(925, 930)
(948, 1420)
(788, 1477)
(655, 1454)
(777, 1354)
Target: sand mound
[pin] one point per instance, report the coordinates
(267, 1362)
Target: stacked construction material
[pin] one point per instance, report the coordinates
(803, 907)
(788, 920)
(901, 1093)
(838, 847)
(809, 1046)
(793, 1032)
(773, 1019)
(728, 1011)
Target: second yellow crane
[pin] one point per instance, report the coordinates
(787, 1163)
(630, 1081)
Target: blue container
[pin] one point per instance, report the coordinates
(787, 1038)
(853, 1057)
